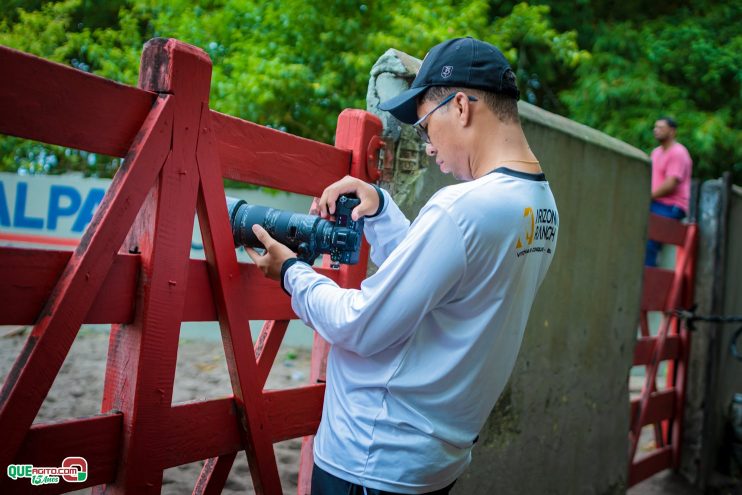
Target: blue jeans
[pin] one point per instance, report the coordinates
(653, 247)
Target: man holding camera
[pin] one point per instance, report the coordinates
(421, 352)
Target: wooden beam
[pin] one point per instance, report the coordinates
(653, 463)
(192, 431)
(645, 346)
(661, 406)
(29, 276)
(656, 288)
(267, 345)
(666, 230)
(38, 364)
(259, 155)
(213, 475)
(202, 429)
(97, 439)
(233, 319)
(56, 104)
(140, 372)
(355, 131)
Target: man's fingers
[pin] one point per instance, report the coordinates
(358, 212)
(327, 201)
(331, 199)
(331, 196)
(321, 204)
(263, 236)
(314, 209)
(331, 193)
(254, 255)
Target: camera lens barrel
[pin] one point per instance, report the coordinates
(307, 235)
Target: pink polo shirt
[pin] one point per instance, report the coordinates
(673, 162)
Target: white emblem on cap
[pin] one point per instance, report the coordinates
(446, 71)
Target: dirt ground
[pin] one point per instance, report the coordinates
(201, 373)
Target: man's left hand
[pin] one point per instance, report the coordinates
(276, 253)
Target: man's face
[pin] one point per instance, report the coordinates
(662, 131)
(441, 129)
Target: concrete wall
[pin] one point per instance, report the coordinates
(730, 381)
(714, 375)
(730, 369)
(561, 424)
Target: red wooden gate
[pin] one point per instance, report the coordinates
(132, 269)
(663, 290)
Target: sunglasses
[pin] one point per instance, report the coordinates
(423, 131)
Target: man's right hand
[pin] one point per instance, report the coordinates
(325, 205)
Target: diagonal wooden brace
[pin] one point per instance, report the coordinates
(47, 346)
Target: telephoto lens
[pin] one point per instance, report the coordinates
(307, 235)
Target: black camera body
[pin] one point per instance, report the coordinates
(307, 235)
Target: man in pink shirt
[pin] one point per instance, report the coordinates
(671, 173)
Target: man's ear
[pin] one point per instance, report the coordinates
(464, 108)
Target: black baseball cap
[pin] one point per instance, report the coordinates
(463, 62)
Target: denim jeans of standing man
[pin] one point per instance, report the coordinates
(653, 247)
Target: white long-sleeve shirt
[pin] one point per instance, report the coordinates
(421, 352)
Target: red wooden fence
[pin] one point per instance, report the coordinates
(176, 153)
(663, 290)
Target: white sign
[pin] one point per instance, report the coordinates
(53, 211)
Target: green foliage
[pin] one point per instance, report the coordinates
(295, 65)
(675, 65)
(292, 65)
(58, 32)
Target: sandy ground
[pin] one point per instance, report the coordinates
(201, 373)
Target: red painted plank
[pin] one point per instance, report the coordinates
(142, 355)
(192, 431)
(655, 288)
(258, 155)
(355, 131)
(643, 324)
(233, 319)
(96, 438)
(29, 275)
(35, 369)
(263, 299)
(294, 412)
(655, 462)
(267, 345)
(645, 345)
(199, 430)
(67, 106)
(666, 230)
(661, 406)
(214, 475)
(685, 258)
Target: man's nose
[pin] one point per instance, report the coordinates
(430, 150)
